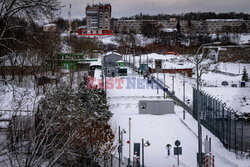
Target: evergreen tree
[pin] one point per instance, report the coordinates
(245, 75)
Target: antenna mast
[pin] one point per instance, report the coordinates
(70, 26)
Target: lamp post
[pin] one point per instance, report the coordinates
(129, 133)
(119, 147)
(164, 80)
(144, 145)
(184, 82)
(121, 143)
(197, 106)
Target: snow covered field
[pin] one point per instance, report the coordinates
(162, 130)
(140, 40)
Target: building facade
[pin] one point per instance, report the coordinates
(98, 17)
(211, 26)
(127, 26)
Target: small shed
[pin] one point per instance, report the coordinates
(156, 107)
(110, 63)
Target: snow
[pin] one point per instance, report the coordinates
(236, 98)
(162, 130)
(49, 25)
(169, 29)
(140, 40)
(243, 38)
(168, 61)
(24, 100)
(235, 68)
(108, 40)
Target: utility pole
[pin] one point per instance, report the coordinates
(133, 62)
(157, 85)
(164, 86)
(173, 84)
(122, 144)
(105, 73)
(184, 83)
(147, 58)
(119, 147)
(69, 21)
(129, 60)
(129, 142)
(142, 152)
(140, 64)
(239, 67)
(198, 101)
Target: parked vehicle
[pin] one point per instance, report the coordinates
(224, 83)
(234, 85)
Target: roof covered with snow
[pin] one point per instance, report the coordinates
(49, 25)
(169, 29)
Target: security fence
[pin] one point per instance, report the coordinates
(232, 128)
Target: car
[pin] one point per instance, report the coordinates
(234, 85)
(224, 83)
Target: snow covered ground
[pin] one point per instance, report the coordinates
(162, 130)
(236, 98)
(140, 40)
(108, 40)
(16, 99)
(236, 38)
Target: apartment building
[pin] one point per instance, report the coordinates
(211, 26)
(98, 17)
(127, 26)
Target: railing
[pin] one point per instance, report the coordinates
(171, 95)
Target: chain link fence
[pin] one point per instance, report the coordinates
(232, 128)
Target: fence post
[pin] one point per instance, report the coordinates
(216, 120)
(235, 136)
(229, 131)
(242, 133)
(223, 136)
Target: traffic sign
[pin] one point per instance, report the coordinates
(177, 143)
(177, 150)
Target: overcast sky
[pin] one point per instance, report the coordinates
(131, 7)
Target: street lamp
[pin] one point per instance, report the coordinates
(144, 145)
(121, 132)
(197, 106)
(164, 80)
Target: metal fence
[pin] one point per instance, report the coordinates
(232, 128)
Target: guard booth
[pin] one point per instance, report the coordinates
(156, 107)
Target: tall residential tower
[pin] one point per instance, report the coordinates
(98, 17)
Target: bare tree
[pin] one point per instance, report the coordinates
(206, 61)
(13, 13)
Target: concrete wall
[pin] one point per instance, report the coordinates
(156, 107)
